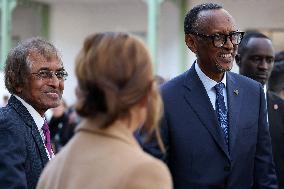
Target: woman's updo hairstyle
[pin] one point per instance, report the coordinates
(114, 72)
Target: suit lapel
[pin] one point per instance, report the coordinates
(234, 93)
(197, 98)
(27, 118)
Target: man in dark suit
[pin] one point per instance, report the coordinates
(214, 126)
(276, 79)
(34, 75)
(256, 59)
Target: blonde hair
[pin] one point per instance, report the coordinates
(114, 72)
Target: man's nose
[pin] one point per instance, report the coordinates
(263, 64)
(228, 43)
(54, 80)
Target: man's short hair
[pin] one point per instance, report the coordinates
(248, 35)
(18, 64)
(276, 80)
(191, 17)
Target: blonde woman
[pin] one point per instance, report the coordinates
(116, 94)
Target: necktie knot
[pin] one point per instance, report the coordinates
(219, 88)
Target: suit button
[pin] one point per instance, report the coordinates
(227, 168)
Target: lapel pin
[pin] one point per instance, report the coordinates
(236, 92)
(275, 106)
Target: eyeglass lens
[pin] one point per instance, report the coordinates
(220, 39)
(46, 74)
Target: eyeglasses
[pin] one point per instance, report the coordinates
(219, 39)
(47, 74)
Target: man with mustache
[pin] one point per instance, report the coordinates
(256, 60)
(34, 75)
(214, 126)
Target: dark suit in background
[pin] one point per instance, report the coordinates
(256, 61)
(276, 127)
(22, 152)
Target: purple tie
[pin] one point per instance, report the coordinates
(46, 133)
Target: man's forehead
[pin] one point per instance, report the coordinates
(260, 45)
(39, 59)
(259, 41)
(215, 17)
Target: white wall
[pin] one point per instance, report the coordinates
(25, 24)
(71, 23)
(168, 39)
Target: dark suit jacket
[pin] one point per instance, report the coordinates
(276, 127)
(196, 152)
(22, 152)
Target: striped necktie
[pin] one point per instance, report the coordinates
(47, 142)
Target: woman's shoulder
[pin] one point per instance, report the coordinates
(147, 172)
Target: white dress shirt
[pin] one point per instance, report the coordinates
(209, 86)
(265, 95)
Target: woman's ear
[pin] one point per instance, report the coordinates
(190, 42)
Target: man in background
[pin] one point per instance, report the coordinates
(34, 75)
(62, 125)
(276, 79)
(256, 60)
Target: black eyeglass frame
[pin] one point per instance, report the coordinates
(225, 37)
(49, 74)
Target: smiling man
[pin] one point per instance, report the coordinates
(34, 75)
(214, 126)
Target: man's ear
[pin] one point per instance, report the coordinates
(190, 42)
(19, 90)
(238, 60)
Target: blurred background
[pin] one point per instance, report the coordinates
(158, 22)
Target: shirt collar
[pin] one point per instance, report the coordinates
(207, 82)
(35, 115)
